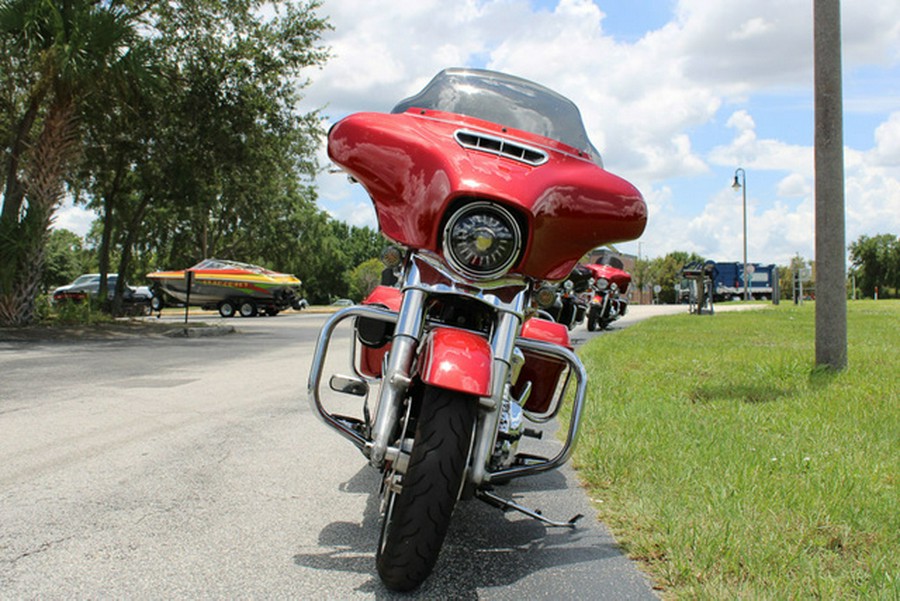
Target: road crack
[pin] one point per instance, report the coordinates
(41, 549)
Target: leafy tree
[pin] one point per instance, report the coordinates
(65, 259)
(59, 53)
(364, 278)
(641, 275)
(216, 160)
(208, 156)
(666, 272)
(875, 261)
(326, 250)
(786, 275)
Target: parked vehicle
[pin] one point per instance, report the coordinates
(728, 281)
(572, 298)
(608, 302)
(490, 188)
(135, 299)
(229, 286)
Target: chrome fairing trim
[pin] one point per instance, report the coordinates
(482, 142)
(438, 264)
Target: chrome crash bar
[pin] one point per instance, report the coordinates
(554, 351)
(342, 426)
(480, 473)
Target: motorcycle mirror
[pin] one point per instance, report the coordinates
(348, 385)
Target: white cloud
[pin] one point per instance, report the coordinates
(741, 121)
(872, 194)
(76, 219)
(794, 185)
(887, 143)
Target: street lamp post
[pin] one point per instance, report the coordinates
(742, 186)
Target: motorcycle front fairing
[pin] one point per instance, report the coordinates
(414, 167)
(491, 142)
(613, 275)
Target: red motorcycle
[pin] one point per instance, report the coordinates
(492, 192)
(608, 302)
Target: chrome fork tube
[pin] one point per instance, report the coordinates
(503, 343)
(399, 365)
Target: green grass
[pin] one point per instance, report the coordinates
(733, 469)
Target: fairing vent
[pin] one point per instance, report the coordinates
(500, 147)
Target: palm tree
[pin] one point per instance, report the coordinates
(63, 51)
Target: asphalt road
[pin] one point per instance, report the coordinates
(192, 468)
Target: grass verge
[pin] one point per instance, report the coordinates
(733, 469)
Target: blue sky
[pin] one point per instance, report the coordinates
(676, 94)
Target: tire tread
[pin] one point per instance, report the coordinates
(422, 511)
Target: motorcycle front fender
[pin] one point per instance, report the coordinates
(456, 360)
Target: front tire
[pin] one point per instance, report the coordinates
(415, 519)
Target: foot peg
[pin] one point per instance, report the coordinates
(355, 424)
(505, 504)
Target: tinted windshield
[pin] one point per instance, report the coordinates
(505, 100)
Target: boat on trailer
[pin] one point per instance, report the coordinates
(231, 287)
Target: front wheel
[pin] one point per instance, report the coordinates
(593, 319)
(416, 514)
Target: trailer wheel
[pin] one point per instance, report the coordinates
(247, 309)
(226, 308)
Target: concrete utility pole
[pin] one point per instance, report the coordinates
(831, 293)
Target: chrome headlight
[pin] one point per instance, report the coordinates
(602, 284)
(546, 296)
(482, 240)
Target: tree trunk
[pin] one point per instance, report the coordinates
(131, 235)
(14, 193)
(109, 202)
(23, 239)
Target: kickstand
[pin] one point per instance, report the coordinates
(504, 504)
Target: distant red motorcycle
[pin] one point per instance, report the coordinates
(491, 191)
(608, 302)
